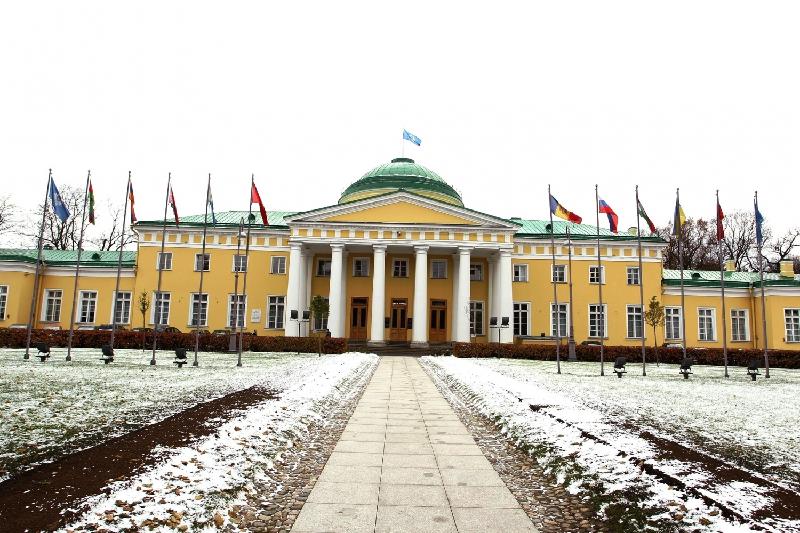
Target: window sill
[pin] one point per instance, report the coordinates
(278, 273)
(519, 281)
(741, 341)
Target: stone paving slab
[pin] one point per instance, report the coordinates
(406, 463)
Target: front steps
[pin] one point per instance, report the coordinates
(401, 348)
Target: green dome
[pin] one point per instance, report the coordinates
(401, 174)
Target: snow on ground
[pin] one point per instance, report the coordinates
(194, 488)
(732, 419)
(53, 408)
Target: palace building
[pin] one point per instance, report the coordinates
(399, 258)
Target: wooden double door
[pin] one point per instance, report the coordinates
(398, 320)
(438, 321)
(358, 318)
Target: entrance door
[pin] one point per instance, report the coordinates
(358, 319)
(399, 320)
(438, 326)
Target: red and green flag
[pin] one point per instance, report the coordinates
(91, 203)
(643, 214)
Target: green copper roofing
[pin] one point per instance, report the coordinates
(710, 278)
(225, 218)
(89, 258)
(401, 173)
(539, 229)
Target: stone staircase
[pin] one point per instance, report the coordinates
(401, 348)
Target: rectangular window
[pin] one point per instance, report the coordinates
(476, 272)
(522, 313)
(87, 305)
(558, 315)
(122, 308)
(705, 324)
(633, 275)
(202, 262)
(237, 304)
(199, 310)
(559, 273)
(635, 322)
(275, 311)
(161, 303)
(672, 323)
(597, 274)
(400, 268)
(277, 264)
(792, 321)
(439, 269)
(739, 327)
(164, 261)
(321, 322)
(52, 305)
(360, 267)
(476, 318)
(239, 263)
(3, 301)
(520, 273)
(324, 268)
(597, 320)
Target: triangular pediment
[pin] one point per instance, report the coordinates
(401, 208)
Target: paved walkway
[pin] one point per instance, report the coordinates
(404, 463)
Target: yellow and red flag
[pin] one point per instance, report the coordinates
(558, 210)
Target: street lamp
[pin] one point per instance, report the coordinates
(295, 315)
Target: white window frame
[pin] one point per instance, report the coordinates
(197, 262)
(603, 318)
(522, 274)
(678, 312)
(114, 298)
(633, 271)
(477, 273)
(168, 301)
(631, 309)
(477, 329)
(3, 301)
(167, 261)
(204, 322)
(281, 264)
(235, 264)
(242, 304)
(443, 264)
(364, 273)
(397, 261)
(745, 316)
(46, 305)
(320, 322)
(276, 321)
(517, 309)
(712, 312)
(91, 307)
(553, 272)
(566, 318)
(602, 274)
(318, 272)
(791, 317)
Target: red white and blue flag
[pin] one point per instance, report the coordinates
(613, 219)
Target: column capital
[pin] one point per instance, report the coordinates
(421, 248)
(296, 245)
(504, 252)
(379, 247)
(337, 246)
(465, 250)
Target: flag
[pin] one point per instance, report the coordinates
(679, 219)
(256, 198)
(91, 203)
(646, 218)
(720, 217)
(408, 136)
(57, 203)
(210, 202)
(759, 221)
(558, 210)
(613, 219)
(174, 207)
(130, 199)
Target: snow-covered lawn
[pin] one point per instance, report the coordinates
(49, 409)
(750, 426)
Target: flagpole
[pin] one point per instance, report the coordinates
(763, 298)
(641, 281)
(557, 318)
(600, 283)
(77, 269)
(247, 267)
(722, 286)
(158, 305)
(235, 334)
(679, 234)
(34, 296)
(119, 267)
(202, 271)
(571, 341)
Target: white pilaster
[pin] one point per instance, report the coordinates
(462, 303)
(377, 330)
(294, 287)
(335, 295)
(419, 329)
(506, 300)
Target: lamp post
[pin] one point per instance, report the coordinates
(294, 314)
(503, 324)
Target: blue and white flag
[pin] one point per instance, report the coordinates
(408, 136)
(210, 201)
(59, 208)
(759, 220)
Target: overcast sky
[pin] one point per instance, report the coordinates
(309, 96)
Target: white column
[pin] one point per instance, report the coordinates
(494, 292)
(335, 296)
(419, 329)
(462, 303)
(503, 290)
(293, 288)
(378, 303)
(308, 260)
(454, 314)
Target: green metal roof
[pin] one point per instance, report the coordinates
(539, 229)
(225, 218)
(89, 258)
(400, 173)
(710, 278)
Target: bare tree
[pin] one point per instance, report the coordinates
(7, 209)
(109, 235)
(698, 239)
(779, 249)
